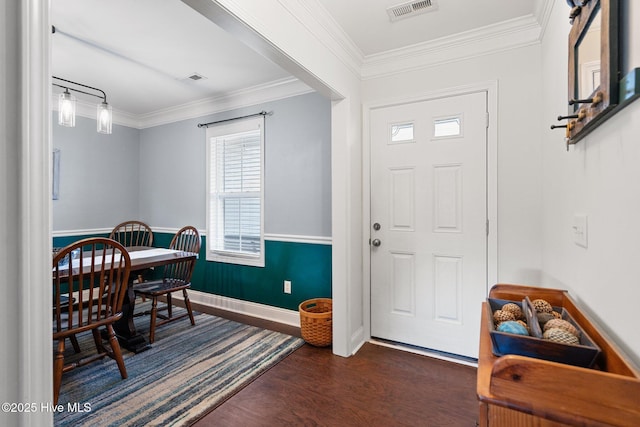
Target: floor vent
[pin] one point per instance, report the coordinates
(412, 8)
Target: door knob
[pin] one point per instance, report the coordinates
(376, 242)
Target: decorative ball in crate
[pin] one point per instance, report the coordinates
(316, 323)
(513, 309)
(562, 340)
(561, 336)
(542, 306)
(562, 324)
(502, 316)
(513, 327)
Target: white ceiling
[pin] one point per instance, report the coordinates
(141, 52)
(368, 25)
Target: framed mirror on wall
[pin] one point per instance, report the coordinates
(594, 67)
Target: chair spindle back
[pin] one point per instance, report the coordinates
(187, 239)
(96, 272)
(132, 233)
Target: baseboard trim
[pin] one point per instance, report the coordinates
(247, 308)
(357, 340)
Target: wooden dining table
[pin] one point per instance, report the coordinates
(142, 258)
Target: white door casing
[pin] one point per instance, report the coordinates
(429, 195)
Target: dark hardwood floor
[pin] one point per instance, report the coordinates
(378, 386)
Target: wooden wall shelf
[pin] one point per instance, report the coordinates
(518, 391)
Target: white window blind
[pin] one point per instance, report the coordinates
(235, 192)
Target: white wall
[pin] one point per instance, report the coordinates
(599, 177)
(517, 72)
(541, 185)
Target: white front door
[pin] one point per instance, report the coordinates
(429, 222)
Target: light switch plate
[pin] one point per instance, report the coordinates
(580, 230)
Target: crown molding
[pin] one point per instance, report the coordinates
(506, 35)
(543, 14)
(511, 34)
(272, 91)
(327, 31)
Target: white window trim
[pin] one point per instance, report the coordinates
(228, 128)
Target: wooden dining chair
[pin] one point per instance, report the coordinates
(66, 299)
(132, 233)
(176, 277)
(97, 279)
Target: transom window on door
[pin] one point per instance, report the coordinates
(402, 132)
(445, 127)
(235, 192)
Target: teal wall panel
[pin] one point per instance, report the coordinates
(306, 265)
(62, 241)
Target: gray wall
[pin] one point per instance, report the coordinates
(298, 171)
(158, 174)
(297, 174)
(99, 180)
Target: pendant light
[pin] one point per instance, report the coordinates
(66, 109)
(104, 118)
(67, 105)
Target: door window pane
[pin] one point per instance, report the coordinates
(450, 126)
(402, 132)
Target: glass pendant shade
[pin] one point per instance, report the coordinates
(104, 118)
(67, 104)
(67, 109)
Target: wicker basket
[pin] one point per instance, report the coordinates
(316, 322)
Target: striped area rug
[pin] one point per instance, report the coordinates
(188, 371)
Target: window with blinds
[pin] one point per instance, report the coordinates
(235, 154)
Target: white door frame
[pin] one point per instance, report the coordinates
(26, 246)
(491, 87)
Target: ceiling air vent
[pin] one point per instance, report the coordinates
(412, 8)
(195, 77)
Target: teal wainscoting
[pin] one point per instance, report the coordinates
(62, 241)
(306, 265)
